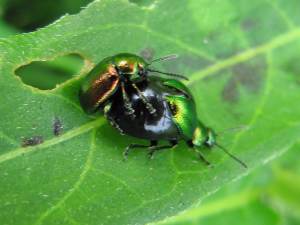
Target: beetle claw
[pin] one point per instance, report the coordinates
(201, 157)
(126, 153)
(151, 109)
(151, 152)
(151, 155)
(129, 111)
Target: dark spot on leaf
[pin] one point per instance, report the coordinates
(221, 44)
(185, 64)
(194, 62)
(46, 75)
(230, 92)
(248, 75)
(293, 67)
(57, 126)
(147, 54)
(35, 140)
(247, 24)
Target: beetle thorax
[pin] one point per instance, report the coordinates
(126, 67)
(131, 69)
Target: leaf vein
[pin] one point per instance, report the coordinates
(51, 142)
(113, 177)
(246, 55)
(258, 110)
(282, 14)
(76, 186)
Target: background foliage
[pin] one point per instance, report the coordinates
(242, 60)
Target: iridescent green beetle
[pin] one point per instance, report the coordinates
(175, 118)
(114, 73)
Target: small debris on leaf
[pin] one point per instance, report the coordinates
(32, 141)
(57, 126)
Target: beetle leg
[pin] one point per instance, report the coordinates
(132, 146)
(155, 148)
(127, 104)
(201, 156)
(115, 125)
(111, 119)
(149, 106)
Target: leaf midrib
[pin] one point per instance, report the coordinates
(51, 142)
(250, 53)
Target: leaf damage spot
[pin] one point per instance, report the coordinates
(46, 75)
(230, 91)
(57, 126)
(32, 141)
(147, 53)
(248, 24)
(248, 75)
(293, 67)
(186, 64)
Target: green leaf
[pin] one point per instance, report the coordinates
(270, 195)
(241, 58)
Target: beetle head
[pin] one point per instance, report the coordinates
(130, 66)
(204, 136)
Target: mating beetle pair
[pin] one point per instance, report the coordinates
(146, 107)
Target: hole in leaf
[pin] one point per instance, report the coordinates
(45, 75)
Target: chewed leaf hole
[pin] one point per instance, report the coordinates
(46, 75)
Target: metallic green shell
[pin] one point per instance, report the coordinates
(131, 59)
(179, 86)
(97, 71)
(101, 67)
(184, 114)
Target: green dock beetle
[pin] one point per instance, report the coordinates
(114, 73)
(175, 118)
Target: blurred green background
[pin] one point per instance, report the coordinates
(269, 195)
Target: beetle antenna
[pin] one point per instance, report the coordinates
(164, 58)
(232, 156)
(169, 74)
(234, 129)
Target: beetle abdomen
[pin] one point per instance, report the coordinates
(158, 126)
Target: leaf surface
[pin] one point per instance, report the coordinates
(241, 58)
(270, 195)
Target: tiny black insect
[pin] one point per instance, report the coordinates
(35, 140)
(57, 126)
